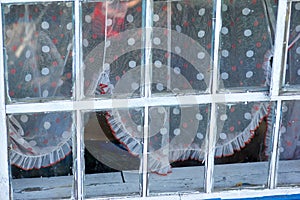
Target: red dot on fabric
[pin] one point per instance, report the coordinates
(29, 149)
(139, 9)
(185, 24)
(231, 128)
(57, 120)
(45, 141)
(233, 68)
(232, 109)
(184, 125)
(255, 23)
(167, 55)
(164, 8)
(11, 93)
(14, 48)
(118, 78)
(35, 90)
(21, 15)
(62, 35)
(289, 143)
(258, 44)
(68, 75)
(13, 71)
(185, 65)
(19, 86)
(253, 1)
(53, 84)
(55, 40)
(209, 23)
(233, 46)
(91, 59)
(54, 63)
(208, 46)
(54, 18)
(258, 65)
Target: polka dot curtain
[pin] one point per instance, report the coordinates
(38, 48)
(39, 66)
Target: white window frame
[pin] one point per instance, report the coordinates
(79, 104)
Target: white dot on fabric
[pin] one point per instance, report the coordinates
(298, 50)
(45, 71)
(28, 54)
(45, 93)
(139, 128)
(88, 19)
(161, 110)
(47, 125)
(60, 82)
(200, 76)
(201, 11)
(297, 6)
(129, 18)
(225, 53)
(201, 34)
(177, 70)
(159, 86)
(66, 134)
(131, 41)
(201, 55)
(28, 77)
(297, 28)
(224, 30)
(156, 41)
(249, 74)
(45, 25)
(178, 28)
(176, 111)
(85, 42)
(156, 17)
(247, 32)
(284, 108)
(69, 26)
(134, 86)
(199, 117)
(224, 7)
(106, 66)
(45, 49)
(179, 7)
(132, 64)
(250, 53)
(223, 136)
(247, 115)
(24, 118)
(158, 64)
(163, 131)
(177, 50)
(107, 43)
(298, 72)
(223, 117)
(32, 143)
(109, 22)
(282, 129)
(224, 76)
(281, 149)
(9, 33)
(177, 131)
(200, 136)
(246, 11)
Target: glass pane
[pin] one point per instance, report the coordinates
(177, 148)
(181, 46)
(293, 59)
(38, 47)
(245, 49)
(113, 141)
(289, 170)
(241, 145)
(112, 48)
(40, 154)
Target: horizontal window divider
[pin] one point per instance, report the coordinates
(136, 102)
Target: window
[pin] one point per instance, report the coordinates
(145, 98)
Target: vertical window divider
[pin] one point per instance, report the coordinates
(211, 139)
(279, 63)
(4, 163)
(147, 64)
(78, 150)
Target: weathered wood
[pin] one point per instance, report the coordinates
(181, 180)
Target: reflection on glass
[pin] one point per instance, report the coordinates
(40, 146)
(38, 48)
(113, 141)
(177, 147)
(288, 172)
(293, 60)
(241, 145)
(112, 46)
(181, 46)
(245, 48)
